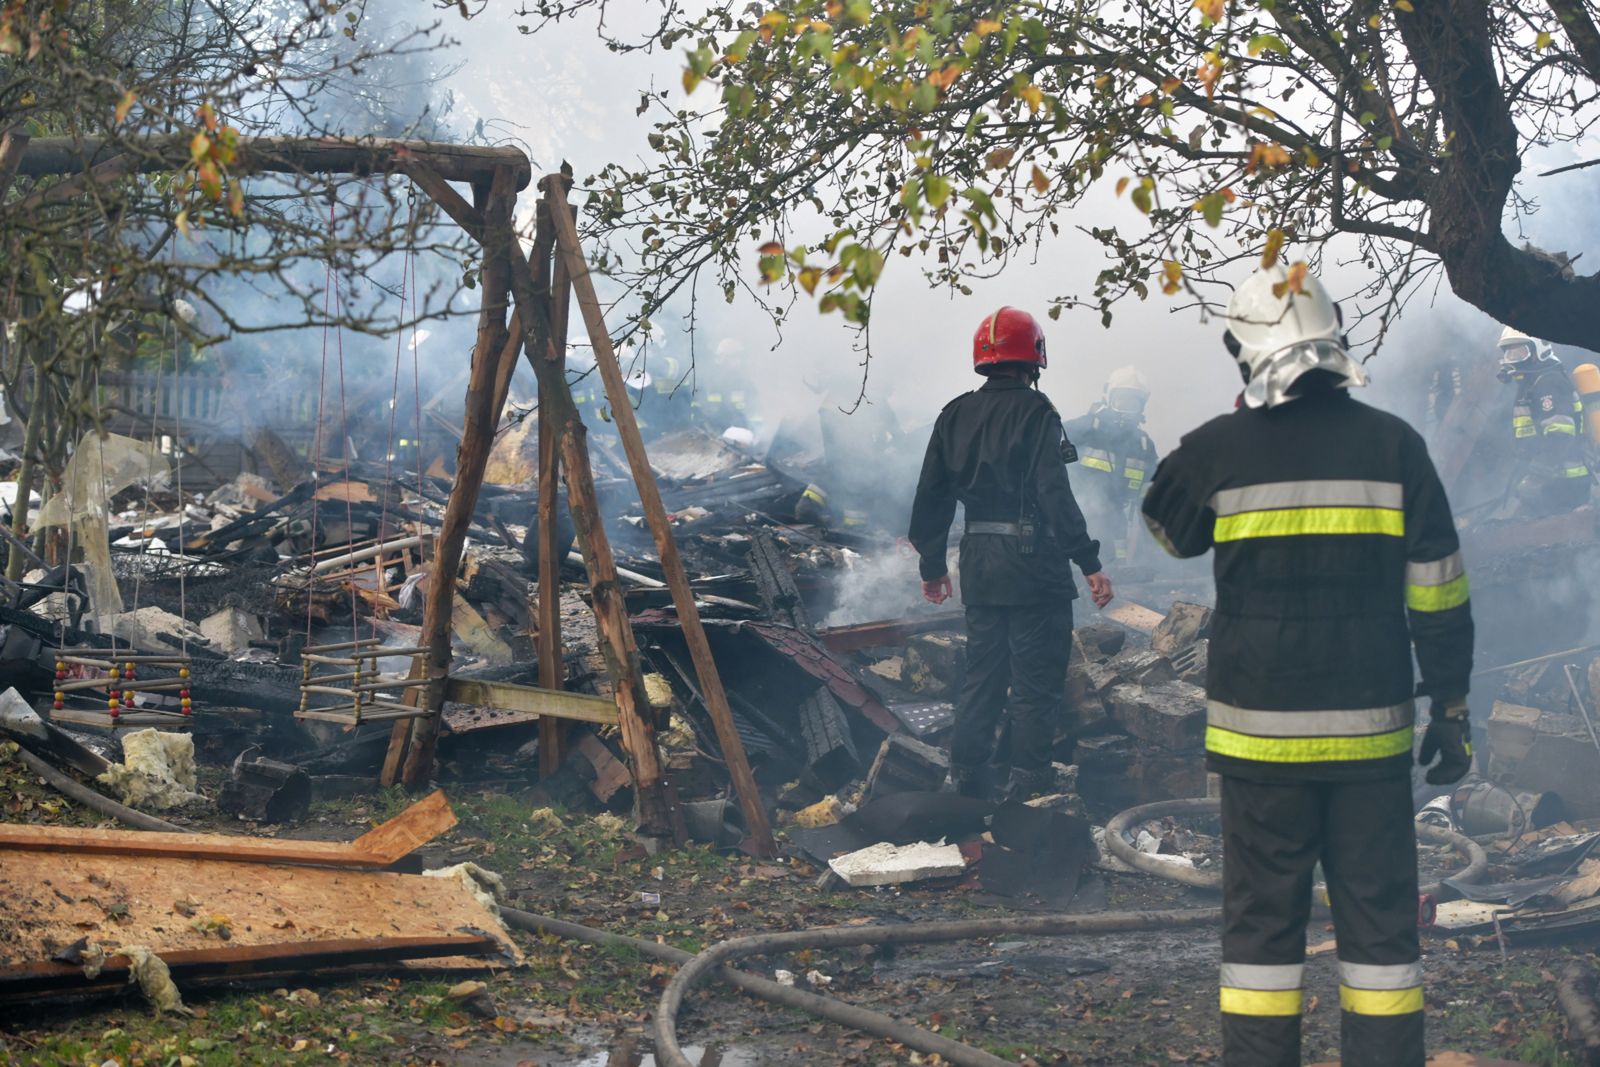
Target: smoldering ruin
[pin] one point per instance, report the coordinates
(475, 685)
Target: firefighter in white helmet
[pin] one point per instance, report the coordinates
(1335, 556)
(1552, 473)
(1116, 455)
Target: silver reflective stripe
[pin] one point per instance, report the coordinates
(1097, 453)
(1325, 494)
(1262, 976)
(1010, 529)
(1436, 572)
(1376, 976)
(1135, 464)
(1359, 722)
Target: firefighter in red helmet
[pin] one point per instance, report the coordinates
(999, 451)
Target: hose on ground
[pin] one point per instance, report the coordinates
(863, 1019)
(714, 960)
(75, 790)
(1143, 861)
(1477, 859)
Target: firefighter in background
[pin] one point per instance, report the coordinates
(1117, 456)
(999, 452)
(1546, 427)
(1335, 556)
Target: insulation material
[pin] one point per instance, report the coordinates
(155, 980)
(486, 887)
(101, 467)
(157, 770)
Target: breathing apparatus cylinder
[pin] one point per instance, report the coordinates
(1587, 381)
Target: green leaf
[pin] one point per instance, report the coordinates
(924, 97)
(1384, 142)
(1267, 42)
(1367, 118)
(938, 189)
(1544, 40)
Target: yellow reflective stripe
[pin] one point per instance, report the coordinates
(1094, 463)
(1526, 431)
(1380, 1001)
(1307, 749)
(1296, 522)
(1133, 475)
(1577, 472)
(1261, 1001)
(1565, 426)
(1451, 594)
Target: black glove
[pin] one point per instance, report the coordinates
(1449, 736)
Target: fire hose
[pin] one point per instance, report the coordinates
(714, 960)
(1477, 859)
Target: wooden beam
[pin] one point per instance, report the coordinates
(617, 644)
(380, 847)
(451, 202)
(472, 459)
(558, 704)
(716, 700)
(552, 674)
(283, 155)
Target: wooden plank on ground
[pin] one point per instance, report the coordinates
(174, 905)
(380, 847)
(577, 707)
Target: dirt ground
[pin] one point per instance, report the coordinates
(1147, 998)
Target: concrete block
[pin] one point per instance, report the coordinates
(1171, 715)
(1534, 751)
(1184, 625)
(886, 864)
(1100, 639)
(232, 629)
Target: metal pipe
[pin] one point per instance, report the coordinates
(364, 554)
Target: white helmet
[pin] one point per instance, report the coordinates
(1517, 348)
(1126, 391)
(1278, 339)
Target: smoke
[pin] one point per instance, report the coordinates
(886, 585)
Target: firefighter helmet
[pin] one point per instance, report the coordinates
(1517, 349)
(1278, 336)
(1126, 391)
(1010, 335)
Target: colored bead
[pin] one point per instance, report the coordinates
(184, 693)
(183, 672)
(116, 673)
(113, 704)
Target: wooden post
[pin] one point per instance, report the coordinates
(552, 732)
(617, 644)
(472, 457)
(570, 253)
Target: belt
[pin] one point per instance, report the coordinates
(1009, 529)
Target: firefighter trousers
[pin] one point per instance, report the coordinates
(1273, 835)
(1020, 650)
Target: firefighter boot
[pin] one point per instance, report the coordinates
(1025, 785)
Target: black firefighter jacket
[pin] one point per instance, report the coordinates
(1336, 553)
(1000, 451)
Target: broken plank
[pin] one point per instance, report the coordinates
(174, 905)
(893, 632)
(1134, 616)
(389, 843)
(578, 707)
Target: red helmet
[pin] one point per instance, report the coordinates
(1008, 336)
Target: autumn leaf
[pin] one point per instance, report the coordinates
(1033, 95)
(125, 105)
(1040, 180)
(809, 277)
(771, 248)
(1209, 71)
(236, 200)
(1171, 276)
(1122, 184)
(208, 117)
(984, 27)
(1544, 40)
(1274, 246)
(945, 76)
(1211, 10)
(1266, 154)
(1404, 5)
(1294, 282)
(999, 158)
(199, 147)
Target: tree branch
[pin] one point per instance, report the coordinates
(1581, 29)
